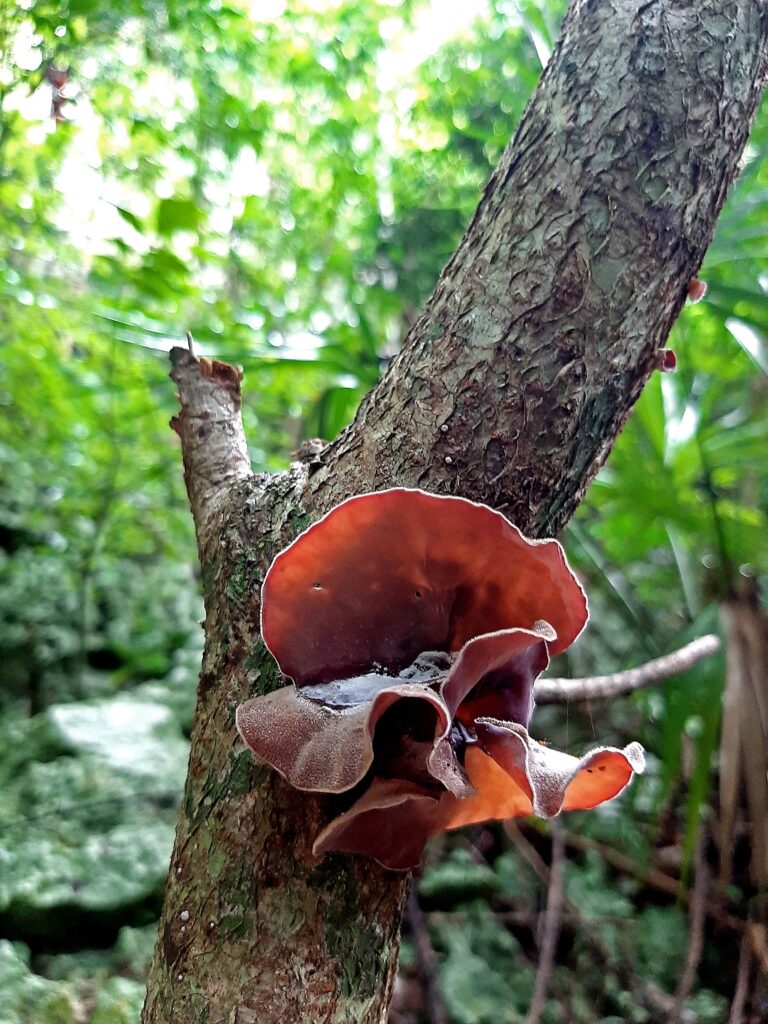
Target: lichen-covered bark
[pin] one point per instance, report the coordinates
(510, 389)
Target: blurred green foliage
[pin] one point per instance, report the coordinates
(620, 955)
(89, 797)
(286, 180)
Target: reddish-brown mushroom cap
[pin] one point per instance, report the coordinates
(494, 674)
(386, 576)
(497, 795)
(515, 775)
(697, 289)
(391, 822)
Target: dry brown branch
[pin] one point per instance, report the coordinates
(426, 959)
(653, 877)
(555, 690)
(698, 917)
(736, 1016)
(210, 426)
(548, 944)
(744, 737)
(645, 993)
(527, 851)
(665, 883)
(759, 942)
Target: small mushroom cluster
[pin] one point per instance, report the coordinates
(413, 628)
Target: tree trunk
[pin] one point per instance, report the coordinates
(510, 389)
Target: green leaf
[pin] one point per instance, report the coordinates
(130, 218)
(178, 215)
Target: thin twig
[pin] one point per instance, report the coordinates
(548, 946)
(527, 851)
(736, 1016)
(757, 937)
(426, 959)
(656, 879)
(533, 858)
(555, 691)
(698, 917)
(653, 877)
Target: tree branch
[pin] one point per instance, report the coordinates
(698, 917)
(556, 690)
(739, 1002)
(510, 389)
(548, 944)
(425, 958)
(210, 426)
(514, 382)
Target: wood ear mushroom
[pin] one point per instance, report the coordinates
(413, 628)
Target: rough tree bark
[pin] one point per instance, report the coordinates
(510, 389)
